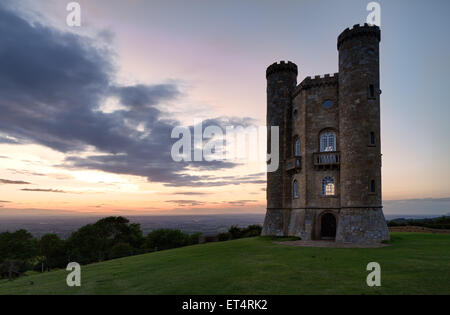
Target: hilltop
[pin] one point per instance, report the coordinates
(414, 263)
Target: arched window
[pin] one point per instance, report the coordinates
(327, 141)
(297, 147)
(328, 186)
(295, 189)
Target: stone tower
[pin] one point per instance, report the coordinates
(281, 82)
(328, 184)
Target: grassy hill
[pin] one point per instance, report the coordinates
(415, 263)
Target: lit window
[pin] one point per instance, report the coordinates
(297, 147)
(328, 186)
(327, 141)
(295, 188)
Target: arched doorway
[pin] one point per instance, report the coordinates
(328, 227)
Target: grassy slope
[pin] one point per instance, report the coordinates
(415, 263)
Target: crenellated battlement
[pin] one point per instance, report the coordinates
(317, 81)
(359, 30)
(280, 67)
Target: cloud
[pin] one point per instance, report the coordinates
(58, 176)
(4, 201)
(97, 206)
(240, 202)
(214, 181)
(13, 182)
(191, 193)
(44, 190)
(52, 88)
(186, 203)
(25, 172)
(8, 140)
(193, 203)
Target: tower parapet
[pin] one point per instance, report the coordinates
(359, 30)
(317, 81)
(282, 66)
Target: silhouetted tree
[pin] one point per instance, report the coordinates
(53, 251)
(93, 242)
(17, 251)
(120, 249)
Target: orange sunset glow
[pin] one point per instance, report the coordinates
(87, 112)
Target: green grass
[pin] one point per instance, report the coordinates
(414, 263)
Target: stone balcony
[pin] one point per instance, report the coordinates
(294, 164)
(327, 160)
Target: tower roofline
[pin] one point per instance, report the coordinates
(359, 30)
(317, 81)
(282, 66)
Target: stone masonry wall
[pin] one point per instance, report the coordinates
(363, 225)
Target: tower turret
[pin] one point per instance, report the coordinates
(359, 125)
(281, 82)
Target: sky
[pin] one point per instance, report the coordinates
(87, 112)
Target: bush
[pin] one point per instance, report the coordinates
(12, 268)
(252, 230)
(119, 250)
(223, 236)
(194, 238)
(167, 238)
(235, 232)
